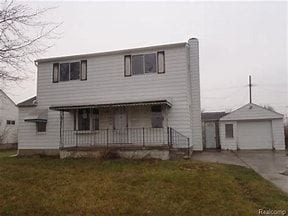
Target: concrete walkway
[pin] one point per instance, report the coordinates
(268, 164)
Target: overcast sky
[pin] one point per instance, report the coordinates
(236, 39)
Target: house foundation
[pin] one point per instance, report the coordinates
(137, 154)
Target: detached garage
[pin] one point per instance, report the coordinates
(252, 127)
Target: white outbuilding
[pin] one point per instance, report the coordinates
(252, 127)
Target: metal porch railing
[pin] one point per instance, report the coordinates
(126, 137)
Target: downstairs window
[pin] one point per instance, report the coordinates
(88, 119)
(41, 126)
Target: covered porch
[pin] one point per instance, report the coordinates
(126, 125)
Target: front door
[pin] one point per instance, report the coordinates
(120, 124)
(210, 135)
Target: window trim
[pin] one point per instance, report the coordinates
(81, 71)
(231, 136)
(161, 52)
(57, 77)
(125, 69)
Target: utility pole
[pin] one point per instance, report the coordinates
(250, 90)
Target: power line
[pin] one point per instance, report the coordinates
(273, 90)
(271, 84)
(225, 97)
(224, 88)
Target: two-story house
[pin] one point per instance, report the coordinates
(145, 98)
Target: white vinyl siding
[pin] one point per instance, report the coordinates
(278, 134)
(228, 143)
(255, 128)
(8, 112)
(106, 84)
(254, 134)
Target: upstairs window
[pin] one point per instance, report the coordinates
(150, 63)
(75, 71)
(64, 72)
(70, 71)
(137, 64)
(144, 64)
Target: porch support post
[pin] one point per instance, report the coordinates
(107, 138)
(61, 129)
(143, 134)
(168, 137)
(188, 144)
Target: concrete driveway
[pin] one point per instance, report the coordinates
(268, 164)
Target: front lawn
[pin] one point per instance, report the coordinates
(50, 186)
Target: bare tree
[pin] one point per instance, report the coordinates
(4, 133)
(23, 36)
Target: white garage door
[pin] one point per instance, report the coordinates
(254, 135)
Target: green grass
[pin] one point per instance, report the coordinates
(50, 186)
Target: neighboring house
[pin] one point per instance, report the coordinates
(8, 120)
(252, 127)
(143, 97)
(210, 129)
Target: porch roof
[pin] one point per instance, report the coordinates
(105, 105)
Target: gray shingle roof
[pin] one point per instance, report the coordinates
(28, 103)
(209, 116)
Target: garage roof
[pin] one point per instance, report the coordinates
(251, 111)
(212, 116)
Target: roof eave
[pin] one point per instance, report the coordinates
(124, 51)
